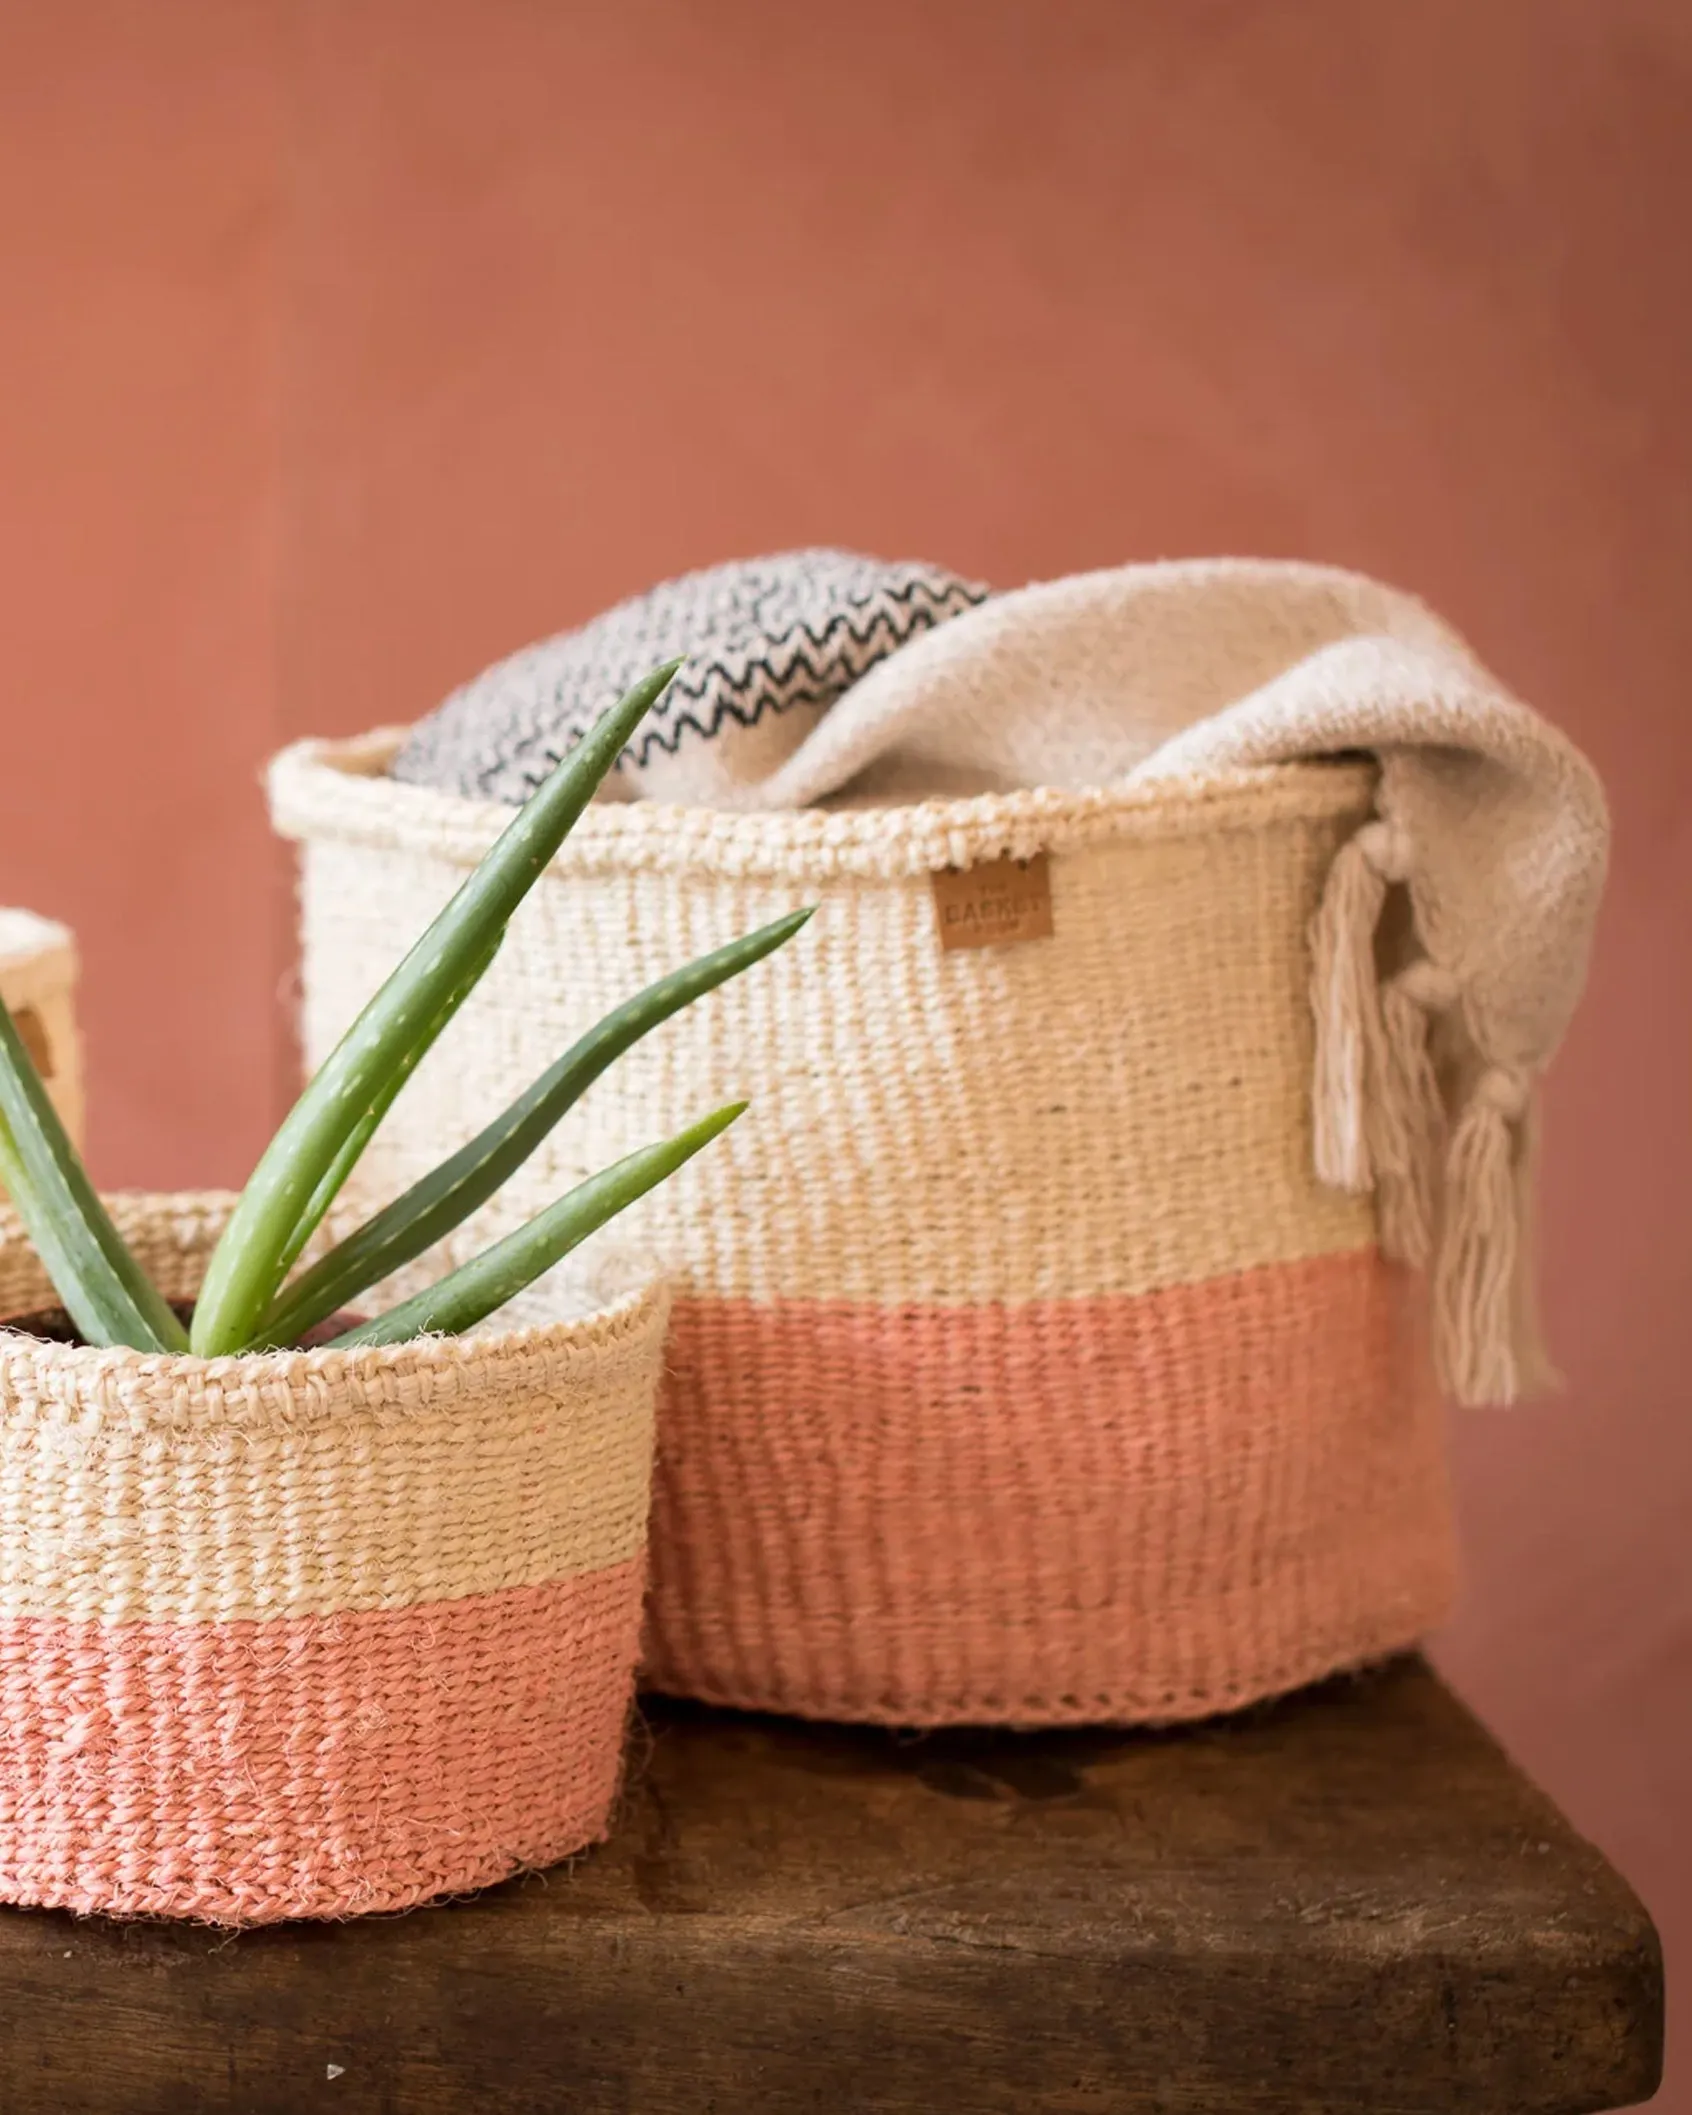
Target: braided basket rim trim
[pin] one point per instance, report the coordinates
(340, 789)
(282, 1387)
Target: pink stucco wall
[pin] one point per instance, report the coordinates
(350, 345)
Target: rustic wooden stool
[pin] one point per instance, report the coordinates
(1349, 1902)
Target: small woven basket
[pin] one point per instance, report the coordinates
(305, 1634)
(1021, 1369)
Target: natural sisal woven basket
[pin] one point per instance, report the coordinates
(1021, 1370)
(304, 1634)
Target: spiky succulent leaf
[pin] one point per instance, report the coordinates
(467, 1295)
(368, 1125)
(246, 1266)
(105, 1291)
(442, 1199)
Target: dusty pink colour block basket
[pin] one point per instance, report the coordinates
(304, 1634)
(1021, 1368)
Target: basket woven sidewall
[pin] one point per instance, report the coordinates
(308, 1634)
(1021, 1370)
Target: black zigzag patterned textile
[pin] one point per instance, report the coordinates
(771, 643)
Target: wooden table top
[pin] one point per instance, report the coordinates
(1351, 1902)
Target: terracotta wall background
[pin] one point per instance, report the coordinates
(350, 343)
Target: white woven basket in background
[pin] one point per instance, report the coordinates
(38, 971)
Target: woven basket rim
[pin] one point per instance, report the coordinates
(274, 1384)
(339, 790)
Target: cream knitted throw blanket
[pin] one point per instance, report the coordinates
(1451, 944)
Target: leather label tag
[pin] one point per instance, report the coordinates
(994, 904)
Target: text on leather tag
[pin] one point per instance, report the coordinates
(994, 904)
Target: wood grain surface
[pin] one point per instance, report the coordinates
(1349, 1902)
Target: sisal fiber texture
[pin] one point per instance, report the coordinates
(1022, 1368)
(1450, 946)
(38, 977)
(306, 1634)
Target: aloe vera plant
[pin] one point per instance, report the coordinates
(249, 1300)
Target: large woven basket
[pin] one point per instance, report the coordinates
(1021, 1371)
(303, 1634)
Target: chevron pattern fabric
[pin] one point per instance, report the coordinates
(772, 643)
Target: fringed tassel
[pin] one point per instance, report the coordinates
(1409, 1113)
(1485, 1329)
(1345, 999)
(1380, 1121)
(1536, 1371)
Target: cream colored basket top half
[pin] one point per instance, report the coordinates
(1121, 1106)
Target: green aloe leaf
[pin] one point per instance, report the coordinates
(368, 1125)
(105, 1291)
(246, 1267)
(446, 1196)
(467, 1295)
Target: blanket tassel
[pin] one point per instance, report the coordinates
(1345, 998)
(1486, 1325)
(1375, 1101)
(1410, 1112)
(1380, 1120)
